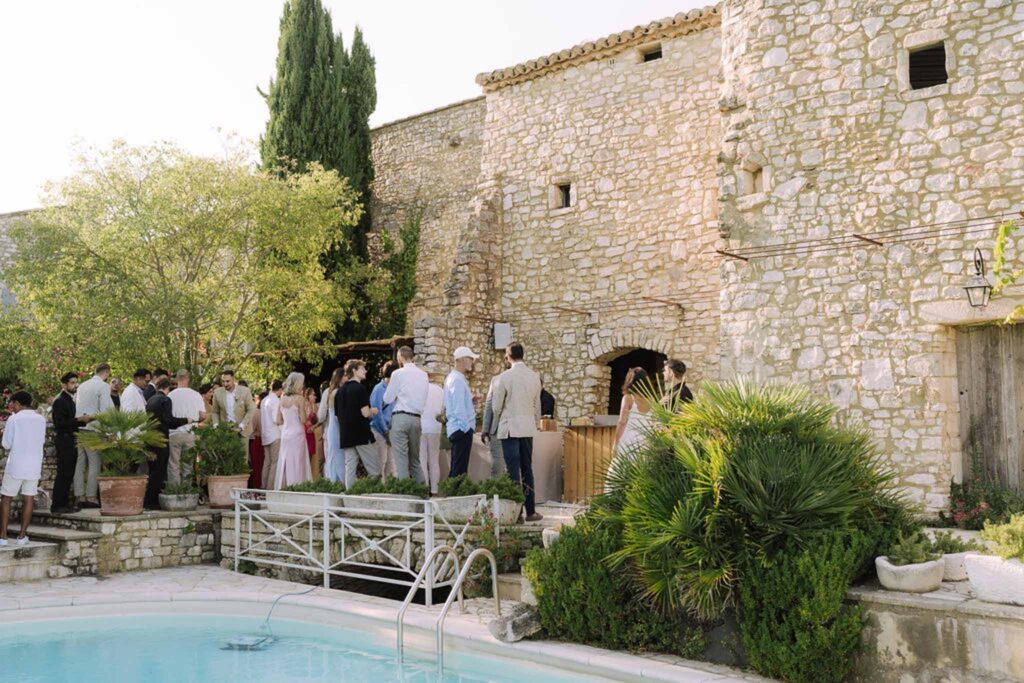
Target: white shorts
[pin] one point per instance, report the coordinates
(12, 486)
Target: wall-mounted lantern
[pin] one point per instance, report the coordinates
(978, 288)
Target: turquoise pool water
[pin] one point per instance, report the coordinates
(188, 649)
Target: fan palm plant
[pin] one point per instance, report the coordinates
(122, 439)
(733, 477)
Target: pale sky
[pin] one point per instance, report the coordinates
(88, 71)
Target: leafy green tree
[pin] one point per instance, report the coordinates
(150, 255)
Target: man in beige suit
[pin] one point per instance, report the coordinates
(516, 405)
(233, 403)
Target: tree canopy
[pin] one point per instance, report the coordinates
(152, 256)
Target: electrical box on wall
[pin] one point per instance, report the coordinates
(502, 335)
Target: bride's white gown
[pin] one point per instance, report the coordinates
(637, 427)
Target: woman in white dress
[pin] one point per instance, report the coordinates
(293, 456)
(635, 419)
(334, 456)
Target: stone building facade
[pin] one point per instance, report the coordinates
(589, 192)
(816, 95)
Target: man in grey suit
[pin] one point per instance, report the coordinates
(489, 430)
(93, 397)
(516, 405)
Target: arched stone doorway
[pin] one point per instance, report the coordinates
(651, 361)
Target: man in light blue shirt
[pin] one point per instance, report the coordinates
(460, 410)
(380, 424)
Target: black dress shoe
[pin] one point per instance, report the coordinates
(87, 504)
(66, 510)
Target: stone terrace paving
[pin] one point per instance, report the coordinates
(210, 585)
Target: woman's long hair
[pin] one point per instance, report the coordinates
(293, 383)
(636, 380)
(337, 377)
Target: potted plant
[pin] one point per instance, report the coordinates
(1000, 577)
(182, 497)
(286, 500)
(459, 499)
(123, 441)
(456, 506)
(510, 497)
(910, 566)
(954, 552)
(223, 462)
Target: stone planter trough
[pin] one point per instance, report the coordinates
(122, 496)
(388, 505)
(179, 502)
(911, 578)
(293, 502)
(994, 579)
(955, 568)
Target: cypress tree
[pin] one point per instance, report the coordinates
(306, 119)
(360, 87)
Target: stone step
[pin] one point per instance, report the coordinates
(28, 562)
(56, 534)
(515, 586)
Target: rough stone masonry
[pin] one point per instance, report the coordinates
(736, 127)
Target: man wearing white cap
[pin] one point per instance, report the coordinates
(458, 406)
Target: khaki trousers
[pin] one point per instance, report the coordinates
(270, 451)
(181, 443)
(87, 468)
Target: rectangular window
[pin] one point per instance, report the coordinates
(565, 196)
(651, 53)
(928, 66)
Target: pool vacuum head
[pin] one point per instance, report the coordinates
(257, 642)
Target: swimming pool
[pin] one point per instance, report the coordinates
(180, 648)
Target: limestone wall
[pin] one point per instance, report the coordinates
(427, 165)
(812, 94)
(637, 142)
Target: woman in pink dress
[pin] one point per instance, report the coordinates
(293, 456)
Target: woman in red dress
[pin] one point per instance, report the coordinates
(310, 424)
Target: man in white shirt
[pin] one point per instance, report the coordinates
(93, 397)
(430, 439)
(408, 391)
(270, 433)
(24, 436)
(185, 402)
(133, 400)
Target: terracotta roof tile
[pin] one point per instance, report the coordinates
(679, 24)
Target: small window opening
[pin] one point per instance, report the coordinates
(928, 66)
(751, 178)
(757, 180)
(651, 53)
(565, 196)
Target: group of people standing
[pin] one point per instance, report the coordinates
(394, 430)
(175, 407)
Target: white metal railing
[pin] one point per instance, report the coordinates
(343, 534)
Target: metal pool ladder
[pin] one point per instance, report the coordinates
(457, 586)
(427, 564)
(456, 591)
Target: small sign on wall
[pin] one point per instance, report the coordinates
(502, 335)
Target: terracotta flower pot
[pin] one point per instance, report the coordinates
(220, 489)
(122, 496)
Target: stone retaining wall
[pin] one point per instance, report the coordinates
(938, 637)
(151, 541)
